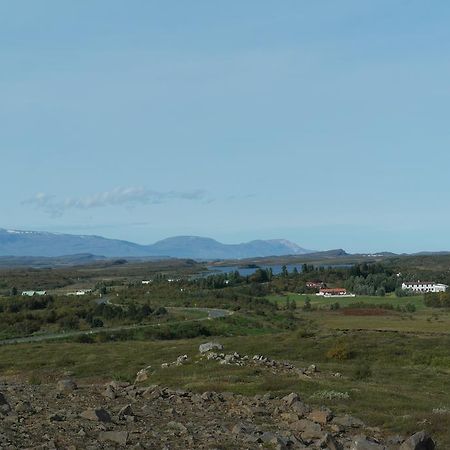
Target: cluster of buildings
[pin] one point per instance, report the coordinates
(421, 287)
(334, 292)
(324, 291)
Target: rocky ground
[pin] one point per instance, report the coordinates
(124, 415)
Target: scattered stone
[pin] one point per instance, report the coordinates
(208, 346)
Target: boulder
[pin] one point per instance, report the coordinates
(329, 442)
(309, 430)
(208, 346)
(143, 374)
(66, 385)
(300, 408)
(124, 412)
(321, 416)
(291, 398)
(96, 415)
(419, 441)
(361, 443)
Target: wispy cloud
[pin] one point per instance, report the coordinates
(120, 196)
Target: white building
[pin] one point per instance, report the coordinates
(32, 293)
(424, 286)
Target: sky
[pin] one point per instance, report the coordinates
(322, 122)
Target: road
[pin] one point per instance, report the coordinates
(212, 313)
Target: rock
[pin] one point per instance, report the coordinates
(300, 408)
(5, 408)
(125, 412)
(289, 417)
(207, 396)
(329, 442)
(109, 392)
(97, 415)
(23, 407)
(239, 429)
(361, 443)
(118, 437)
(208, 346)
(418, 441)
(181, 360)
(291, 398)
(321, 416)
(56, 417)
(66, 385)
(309, 430)
(143, 374)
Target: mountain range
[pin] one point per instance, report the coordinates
(45, 244)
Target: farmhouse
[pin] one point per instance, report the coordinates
(423, 286)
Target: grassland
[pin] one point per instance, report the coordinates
(394, 380)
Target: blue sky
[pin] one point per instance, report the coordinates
(326, 123)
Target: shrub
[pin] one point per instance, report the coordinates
(362, 372)
(340, 351)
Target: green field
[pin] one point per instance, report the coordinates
(324, 303)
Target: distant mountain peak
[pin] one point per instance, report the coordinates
(35, 243)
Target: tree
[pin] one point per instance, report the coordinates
(13, 291)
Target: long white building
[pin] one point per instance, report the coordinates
(424, 286)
